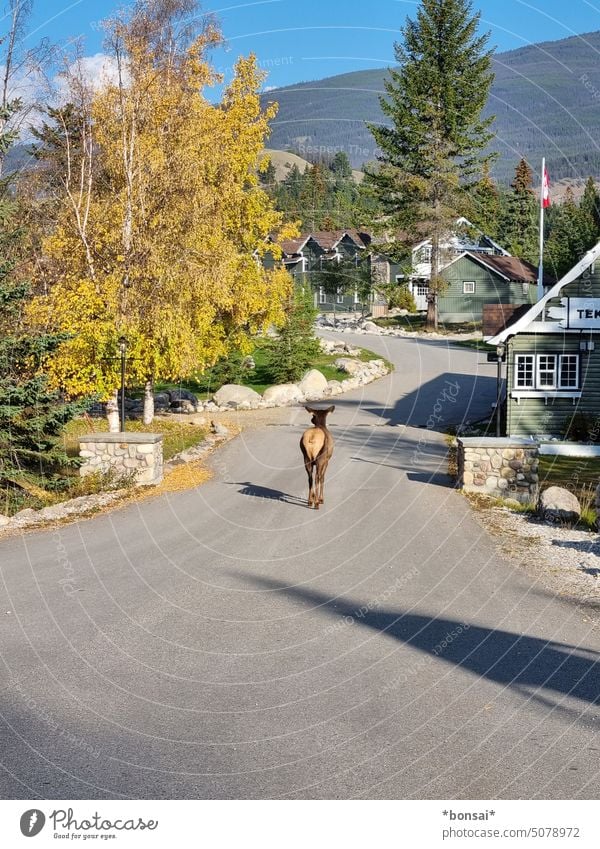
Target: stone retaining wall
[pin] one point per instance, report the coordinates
(123, 453)
(502, 468)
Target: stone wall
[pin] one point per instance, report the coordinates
(502, 468)
(125, 454)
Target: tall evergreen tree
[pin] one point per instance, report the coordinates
(572, 233)
(484, 205)
(32, 416)
(590, 207)
(435, 146)
(521, 227)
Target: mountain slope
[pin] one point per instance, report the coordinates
(546, 98)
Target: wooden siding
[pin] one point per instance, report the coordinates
(533, 416)
(490, 288)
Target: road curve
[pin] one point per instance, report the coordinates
(229, 643)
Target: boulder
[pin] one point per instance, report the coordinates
(179, 395)
(334, 387)
(162, 401)
(285, 393)
(328, 346)
(218, 429)
(349, 366)
(185, 407)
(4, 520)
(559, 505)
(232, 395)
(313, 384)
(371, 327)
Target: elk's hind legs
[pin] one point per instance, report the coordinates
(321, 469)
(311, 487)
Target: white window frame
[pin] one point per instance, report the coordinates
(538, 382)
(577, 370)
(340, 296)
(516, 383)
(469, 283)
(322, 295)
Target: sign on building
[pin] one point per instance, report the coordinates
(577, 314)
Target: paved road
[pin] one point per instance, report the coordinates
(227, 642)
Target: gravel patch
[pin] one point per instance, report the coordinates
(566, 560)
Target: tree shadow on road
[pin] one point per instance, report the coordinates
(532, 666)
(449, 400)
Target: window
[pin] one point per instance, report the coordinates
(569, 371)
(423, 255)
(546, 372)
(322, 298)
(356, 299)
(340, 296)
(546, 376)
(524, 371)
(469, 287)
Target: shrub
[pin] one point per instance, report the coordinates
(292, 352)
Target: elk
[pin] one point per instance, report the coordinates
(317, 447)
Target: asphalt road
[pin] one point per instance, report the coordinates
(229, 643)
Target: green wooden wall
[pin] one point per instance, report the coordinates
(533, 416)
(490, 288)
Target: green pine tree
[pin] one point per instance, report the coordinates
(435, 146)
(590, 208)
(32, 416)
(572, 233)
(294, 350)
(521, 226)
(483, 208)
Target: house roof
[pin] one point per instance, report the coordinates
(421, 235)
(326, 239)
(511, 268)
(525, 321)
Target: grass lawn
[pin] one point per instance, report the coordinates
(578, 474)
(260, 379)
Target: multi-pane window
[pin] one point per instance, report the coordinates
(469, 287)
(340, 296)
(525, 371)
(546, 371)
(322, 296)
(569, 371)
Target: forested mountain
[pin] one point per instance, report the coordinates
(546, 98)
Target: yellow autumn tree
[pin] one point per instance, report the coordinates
(162, 222)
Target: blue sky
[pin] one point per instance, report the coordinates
(310, 39)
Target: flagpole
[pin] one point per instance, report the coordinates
(540, 287)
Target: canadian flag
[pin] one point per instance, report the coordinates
(546, 202)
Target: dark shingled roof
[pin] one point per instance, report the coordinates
(512, 267)
(326, 239)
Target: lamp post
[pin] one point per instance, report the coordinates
(500, 351)
(123, 351)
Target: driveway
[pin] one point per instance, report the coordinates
(227, 642)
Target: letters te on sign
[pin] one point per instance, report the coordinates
(577, 314)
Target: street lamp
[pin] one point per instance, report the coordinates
(501, 353)
(123, 352)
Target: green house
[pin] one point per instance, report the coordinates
(553, 357)
(310, 253)
(476, 279)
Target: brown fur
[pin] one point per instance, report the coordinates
(317, 447)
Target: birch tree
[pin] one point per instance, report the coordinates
(162, 244)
